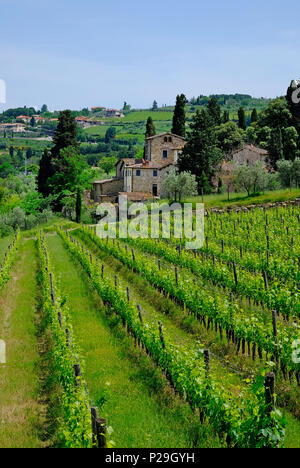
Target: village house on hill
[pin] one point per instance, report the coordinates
(142, 179)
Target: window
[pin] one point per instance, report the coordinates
(166, 139)
(138, 173)
(154, 173)
(165, 153)
(170, 139)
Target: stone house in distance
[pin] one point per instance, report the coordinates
(248, 155)
(141, 179)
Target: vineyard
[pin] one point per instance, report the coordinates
(143, 343)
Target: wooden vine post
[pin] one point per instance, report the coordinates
(161, 335)
(275, 334)
(99, 429)
(52, 290)
(270, 392)
(207, 361)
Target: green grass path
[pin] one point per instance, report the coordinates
(21, 412)
(134, 408)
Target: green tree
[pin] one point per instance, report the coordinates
(275, 146)
(154, 106)
(204, 183)
(110, 135)
(201, 153)
(290, 139)
(230, 137)
(286, 172)
(254, 116)
(150, 128)
(78, 205)
(214, 110)
(178, 127)
(276, 115)
(65, 134)
(44, 109)
(45, 172)
(176, 186)
(225, 117)
(32, 122)
(70, 172)
(107, 164)
(242, 118)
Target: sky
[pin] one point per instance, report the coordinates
(82, 53)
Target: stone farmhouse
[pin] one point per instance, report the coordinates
(142, 179)
(248, 155)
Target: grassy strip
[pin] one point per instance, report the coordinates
(22, 410)
(242, 199)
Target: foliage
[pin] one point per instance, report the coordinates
(201, 153)
(107, 164)
(74, 421)
(150, 128)
(242, 422)
(176, 186)
(230, 137)
(178, 126)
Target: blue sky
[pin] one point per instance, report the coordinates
(78, 53)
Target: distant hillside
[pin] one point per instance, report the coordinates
(232, 102)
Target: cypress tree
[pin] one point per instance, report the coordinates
(65, 134)
(78, 205)
(178, 127)
(150, 128)
(242, 118)
(45, 172)
(214, 110)
(201, 153)
(225, 118)
(254, 116)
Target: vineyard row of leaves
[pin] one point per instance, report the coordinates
(243, 422)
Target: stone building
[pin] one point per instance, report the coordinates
(142, 179)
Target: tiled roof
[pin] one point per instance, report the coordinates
(165, 134)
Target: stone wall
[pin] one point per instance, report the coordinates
(145, 182)
(107, 189)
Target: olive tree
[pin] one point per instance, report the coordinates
(177, 185)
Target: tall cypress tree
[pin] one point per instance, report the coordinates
(226, 117)
(150, 128)
(45, 172)
(178, 127)
(78, 205)
(214, 110)
(201, 153)
(254, 116)
(242, 118)
(65, 134)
